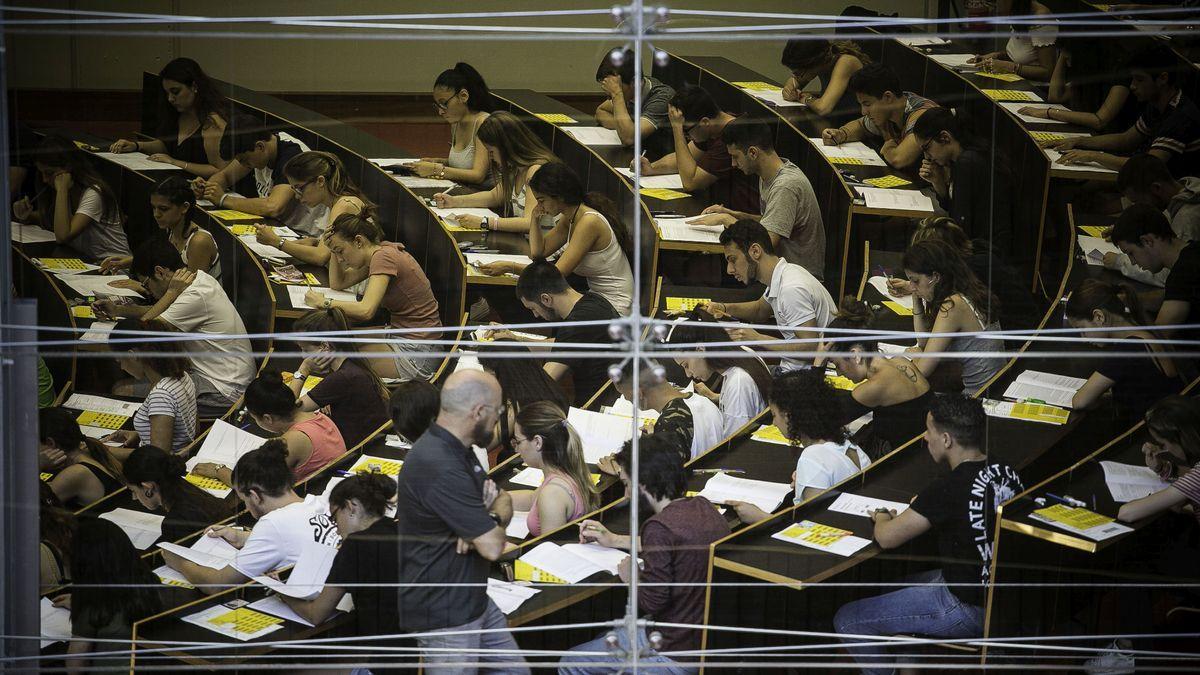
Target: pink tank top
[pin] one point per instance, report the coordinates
(534, 522)
(327, 443)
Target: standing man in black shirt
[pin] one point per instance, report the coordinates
(452, 522)
(542, 289)
(1144, 234)
(960, 508)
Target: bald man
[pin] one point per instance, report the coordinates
(452, 521)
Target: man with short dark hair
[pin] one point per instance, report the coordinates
(696, 420)
(1143, 233)
(674, 548)
(701, 158)
(615, 75)
(1168, 127)
(786, 199)
(452, 521)
(1146, 179)
(960, 508)
(794, 298)
(264, 151)
(889, 114)
(542, 289)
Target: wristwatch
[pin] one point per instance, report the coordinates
(485, 223)
(496, 517)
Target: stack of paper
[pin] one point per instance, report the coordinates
(1022, 410)
(449, 215)
(142, 528)
(1014, 107)
(529, 476)
(224, 444)
(235, 620)
(594, 135)
(56, 623)
(262, 250)
(854, 152)
(601, 434)
(91, 285)
(670, 181)
(1128, 482)
(31, 234)
(1094, 248)
(896, 200)
(509, 596)
(1080, 521)
(212, 552)
(296, 295)
(678, 229)
(956, 61)
(602, 556)
(550, 563)
(101, 404)
(822, 537)
(723, 488)
(859, 505)
(138, 161)
(1091, 167)
(1039, 387)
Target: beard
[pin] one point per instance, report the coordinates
(751, 271)
(483, 434)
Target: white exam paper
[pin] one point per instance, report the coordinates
(212, 552)
(859, 505)
(852, 150)
(669, 181)
(509, 596)
(1014, 106)
(555, 560)
(723, 488)
(1128, 482)
(143, 529)
(678, 229)
(593, 135)
(296, 295)
(901, 200)
(880, 284)
(92, 284)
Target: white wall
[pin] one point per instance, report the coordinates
(248, 55)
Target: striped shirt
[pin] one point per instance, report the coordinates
(174, 398)
(1189, 485)
(1175, 130)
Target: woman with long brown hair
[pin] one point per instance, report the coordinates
(833, 62)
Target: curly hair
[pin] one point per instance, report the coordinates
(810, 406)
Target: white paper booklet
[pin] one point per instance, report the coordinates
(95, 284)
(774, 98)
(31, 234)
(263, 250)
(859, 505)
(601, 434)
(594, 135)
(1014, 106)
(557, 561)
(880, 284)
(211, 552)
(855, 150)
(99, 331)
(896, 200)
(296, 295)
(1046, 387)
(678, 229)
(1128, 482)
(509, 596)
(518, 527)
(138, 161)
(448, 215)
(953, 60)
(723, 488)
(56, 623)
(211, 619)
(142, 528)
(670, 181)
(225, 444)
(603, 556)
(529, 477)
(275, 606)
(921, 41)
(1091, 167)
(102, 404)
(1094, 248)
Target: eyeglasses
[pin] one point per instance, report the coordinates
(687, 130)
(925, 146)
(443, 106)
(299, 189)
(515, 440)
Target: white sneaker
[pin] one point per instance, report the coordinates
(1114, 660)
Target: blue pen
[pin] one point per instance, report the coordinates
(1067, 500)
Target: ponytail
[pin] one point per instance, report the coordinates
(608, 208)
(854, 314)
(264, 469)
(152, 464)
(350, 225)
(464, 76)
(268, 395)
(562, 449)
(312, 164)
(373, 490)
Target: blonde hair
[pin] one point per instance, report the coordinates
(312, 165)
(562, 449)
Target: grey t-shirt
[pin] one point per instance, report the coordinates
(789, 209)
(656, 97)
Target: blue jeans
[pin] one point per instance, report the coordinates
(456, 651)
(928, 611)
(650, 661)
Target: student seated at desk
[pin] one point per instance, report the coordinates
(1088, 80)
(349, 390)
(1145, 179)
(516, 154)
(311, 439)
(1173, 451)
(1136, 369)
(542, 290)
(367, 565)
(892, 388)
(972, 181)
(960, 508)
(794, 298)
(1143, 233)
(84, 468)
(192, 116)
(414, 406)
(74, 202)
(1030, 49)
(949, 298)
(264, 152)
(696, 420)
(286, 526)
(615, 75)
(1168, 126)
(806, 411)
(320, 184)
(156, 480)
(588, 233)
(56, 528)
(171, 203)
(462, 99)
(396, 283)
(191, 302)
(790, 213)
(167, 416)
(523, 382)
(545, 440)
(674, 547)
(739, 385)
(888, 116)
(114, 587)
(832, 62)
(700, 157)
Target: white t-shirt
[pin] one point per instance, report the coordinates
(203, 307)
(306, 220)
(707, 423)
(104, 237)
(796, 296)
(280, 537)
(823, 465)
(741, 401)
(1022, 47)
